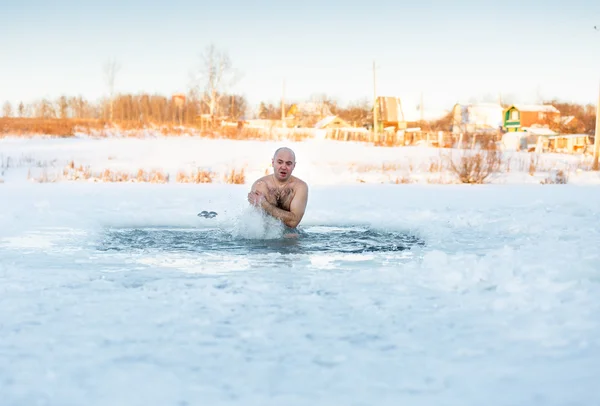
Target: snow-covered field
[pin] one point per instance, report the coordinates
(320, 162)
(118, 294)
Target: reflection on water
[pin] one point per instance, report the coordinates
(310, 240)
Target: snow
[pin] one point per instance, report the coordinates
(499, 307)
(325, 121)
(320, 162)
(540, 131)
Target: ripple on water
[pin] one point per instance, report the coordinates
(317, 239)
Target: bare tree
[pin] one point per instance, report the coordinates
(326, 104)
(271, 111)
(358, 112)
(234, 106)
(21, 110)
(7, 109)
(62, 106)
(78, 106)
(44, 109)
(111, 68)
(215, 76)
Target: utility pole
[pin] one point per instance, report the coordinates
(595, 165)
(375, 107)
(283, 104)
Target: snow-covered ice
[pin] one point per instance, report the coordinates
(499, 306)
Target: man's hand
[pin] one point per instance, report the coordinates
(256, 198)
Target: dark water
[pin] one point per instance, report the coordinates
(310, 240)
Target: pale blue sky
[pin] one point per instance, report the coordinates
(450, 50)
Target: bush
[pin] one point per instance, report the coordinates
(474, 167)
(559, 177)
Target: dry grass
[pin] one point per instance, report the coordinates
(409, 172)
(44, 178)
(533, 164)
(26, 127)
(29, 127)
(235, 178)
(436, 166)
(475, 167)
(4, 165)
(403, 180)
(72, 172)
(198, 176)
(383, 167)
(68, 127)
(259, 134)
(440, 180)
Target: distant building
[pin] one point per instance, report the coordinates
(307, 114)
(519, 116)
(472, 118)
(570, 143)
(332, 122)
(390, 113)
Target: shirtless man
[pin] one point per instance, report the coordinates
(280, 194)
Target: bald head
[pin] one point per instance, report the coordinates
(285, 150)
(284, 162)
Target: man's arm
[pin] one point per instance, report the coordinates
(297, 208)
(258, 191)
(259, 186)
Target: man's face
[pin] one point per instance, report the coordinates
(283, 165)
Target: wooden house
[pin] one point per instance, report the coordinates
(519, 116)
(390, 113)
(570, 143)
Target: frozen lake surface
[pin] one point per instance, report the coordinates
(119, 294)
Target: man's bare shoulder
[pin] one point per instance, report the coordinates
(300, 184)
(264, 179)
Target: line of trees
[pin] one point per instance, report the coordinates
(156, 108)
(210, 95)
(62, 107)
(159, 109)
(359, 112)
(143, 108)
